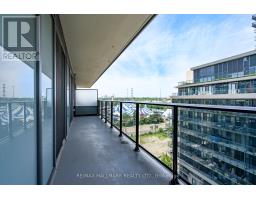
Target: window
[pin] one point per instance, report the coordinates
(230, 68)
(246, 65)
(225, 70)
(240, 69)
(234, 70)
(220, 71)
(18, 126)
(253, 61)
(252, 69)
(216, 72)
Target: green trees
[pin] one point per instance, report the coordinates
(128, 120)
(152, 119)
(166, 159)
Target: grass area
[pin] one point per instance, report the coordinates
(166, 159)
(160, 134)
(133, 137)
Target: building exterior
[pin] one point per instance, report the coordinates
(218, 147)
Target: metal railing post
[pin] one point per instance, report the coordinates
(174, 180)
(137, 126)
(98, 107)
(25, 115)
(121, 120)
(111, 114)
(106, 111)
(101, 109)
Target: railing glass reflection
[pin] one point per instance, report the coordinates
(129, 120)
(109, 111)
(116, 114)
(14, 118)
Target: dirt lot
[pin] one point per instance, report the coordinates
(157, 146)
(145, 128)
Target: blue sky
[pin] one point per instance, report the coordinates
(159, 58)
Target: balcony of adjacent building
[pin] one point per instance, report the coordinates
(232, 69)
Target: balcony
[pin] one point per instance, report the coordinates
(94, 154)
(221, 78)
(185, 82)
(149, 143)
(121, 143)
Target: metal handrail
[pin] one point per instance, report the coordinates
(242, 109)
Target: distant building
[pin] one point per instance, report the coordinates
(218, 147)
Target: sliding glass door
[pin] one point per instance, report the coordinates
(60, 96)
(68, 96)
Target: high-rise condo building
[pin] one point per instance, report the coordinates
(218, 147)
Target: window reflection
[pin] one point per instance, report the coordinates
(17, 122)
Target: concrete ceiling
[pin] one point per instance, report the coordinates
(95, 41)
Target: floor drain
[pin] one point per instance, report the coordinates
(124, 142)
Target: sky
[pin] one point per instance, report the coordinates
(18, 78)
(168, 47)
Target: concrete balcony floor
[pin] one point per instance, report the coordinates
(94, 154)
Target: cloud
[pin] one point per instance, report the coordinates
(142, 86)
(159, 58)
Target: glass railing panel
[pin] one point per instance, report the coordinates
(129, 119)
(216, 147)
(103, 109)
(29, 119)
(99, 103)
(109, 111)
(155, 131)
(17, 117)
(116, 114)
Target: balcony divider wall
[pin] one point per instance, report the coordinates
(86, 102)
